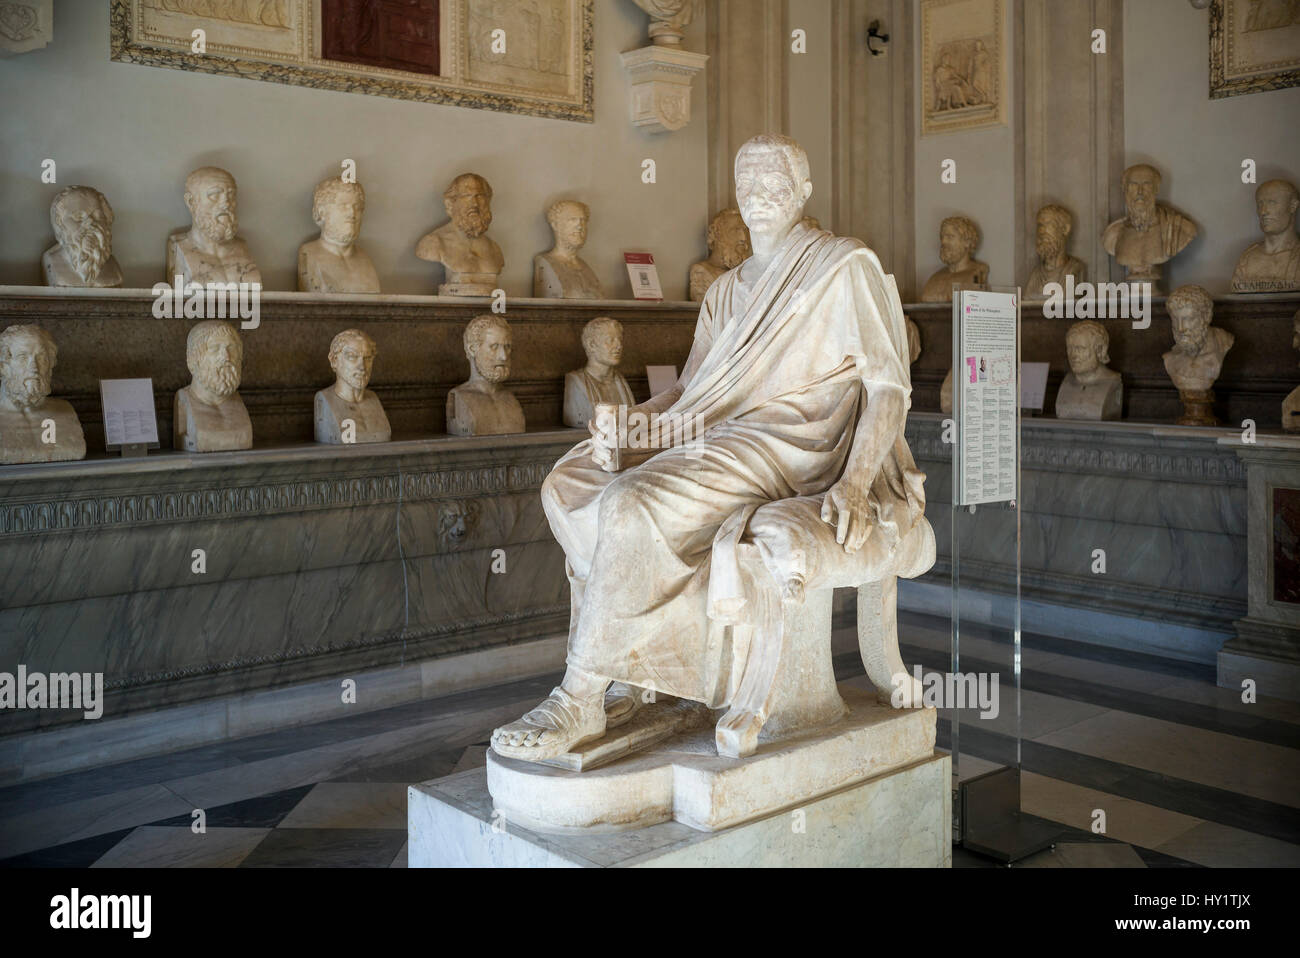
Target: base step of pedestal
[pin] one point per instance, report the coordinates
(901, 818)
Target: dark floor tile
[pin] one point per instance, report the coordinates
(79, 854)
(327, 848)
(264, 811)
(408, 765)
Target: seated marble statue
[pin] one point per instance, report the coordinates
(1273, 264)
(34, 427)
(211, 251)
(333, 262)
(482, 406)
(1055, 224)
(348, 412)
(1089, 390)
(472, 258)
(959, 237)
(560, 273)
(1197, 357)
(83, 231)
(789, 413)
(1291, 404)
(1150, 233)
(599, 380)
(208, 415)
(728, 239)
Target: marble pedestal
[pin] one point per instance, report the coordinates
(901, 819)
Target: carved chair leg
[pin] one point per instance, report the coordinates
(878, 642)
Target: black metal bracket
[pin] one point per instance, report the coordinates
(873, 33)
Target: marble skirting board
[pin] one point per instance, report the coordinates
(1258, 372)
(112, 334)
(318, 561)
(1167, 504)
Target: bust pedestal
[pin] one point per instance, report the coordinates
(21, 434)
(1198, 407)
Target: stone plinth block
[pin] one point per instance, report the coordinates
(901, 818)
(659, 81)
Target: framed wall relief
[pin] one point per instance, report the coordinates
(963, 65)
(1254, 46)
(516, 56)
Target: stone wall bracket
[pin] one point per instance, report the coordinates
(659, 86)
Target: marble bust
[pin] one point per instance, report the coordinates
(352, 355)
(668, 19)
(82, 254)
(1150, 234)
(913, 342)
(652, 529)
(1197, 357)
(208, 415)
(560, 273)
(211, 251)
(959, 237)
(472, 258)
(728, 239)
(1055, 223)
(1089, 390)
(1273, 264)
(333, 262)
(482, 406)
(1291, 404)
(599, 380)
(34, 427)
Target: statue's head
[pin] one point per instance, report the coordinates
(1190, 308)
(1141, 185)
(27, 355)
(468, 202)
(83, 226)
(337, 207)
(728, 238)
(602, 339)
(1276, 202)
(352, 355)
(487, 345)
(772, 183)
(215, 356)
(1054, 226)
(959, 237)
(568, 220)
(1087, 345)
(211, 195)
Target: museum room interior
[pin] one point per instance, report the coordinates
(899, 465)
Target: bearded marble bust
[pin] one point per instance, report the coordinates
(333, 262)
(1150, 234)
(1089, 390)
(959, 237)
(560, 273)
(1055, 264)
(472, 258)
(352, 356)
(208, 415)
(34, 427)
(728, 239)
(599, 380)
(1197, 357)
(1273, 264)
(211, 251)
(83, 230)
(482, 406)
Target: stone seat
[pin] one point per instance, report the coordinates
(788, 685)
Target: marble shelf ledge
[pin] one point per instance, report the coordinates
(168, 460)
(1124, 427)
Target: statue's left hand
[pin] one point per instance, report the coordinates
(845, 507)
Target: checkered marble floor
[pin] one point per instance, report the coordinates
(1186, 773)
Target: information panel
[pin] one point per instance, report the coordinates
(986, 395)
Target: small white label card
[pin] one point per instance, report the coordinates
(1033, 385)
(128, 411)
(644, 276)
(662, 378)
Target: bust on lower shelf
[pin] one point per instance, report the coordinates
(348, 412)
(34, 427)
(1089, 390)
(208, 415)
(482, 406)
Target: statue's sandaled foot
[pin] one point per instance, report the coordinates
(559, 724)
(622, 701)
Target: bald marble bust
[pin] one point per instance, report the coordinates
(560, 273)
(211, 251)
(34, 427)
(598, 381)
(1090, 390)
(208, 415)
(472, 258)
(482, 406)
(1273, 264)
(348, 412)
(83, 230)
(333, 262)
(959, 237)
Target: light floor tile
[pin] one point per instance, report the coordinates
(179, 847)
(71, 821)
(1221, 846)
(1126, 820)
(1203, 693)
(351, 805)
